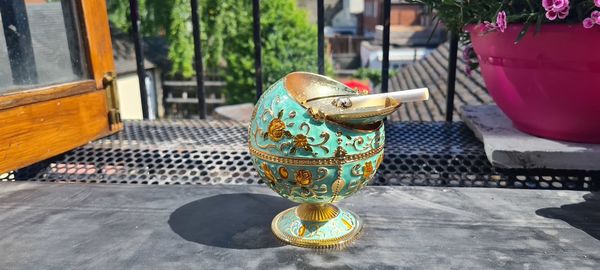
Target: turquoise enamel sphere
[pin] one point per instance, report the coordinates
(306, 158)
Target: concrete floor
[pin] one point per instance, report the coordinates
(85, 226)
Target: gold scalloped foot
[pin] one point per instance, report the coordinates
(336, 232)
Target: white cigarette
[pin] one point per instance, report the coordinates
(412, 95)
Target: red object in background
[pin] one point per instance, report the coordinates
(358, 86)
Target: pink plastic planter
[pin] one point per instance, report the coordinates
(548, 84)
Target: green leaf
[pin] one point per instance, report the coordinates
(538, 24)
(523, 32)
(530, 5)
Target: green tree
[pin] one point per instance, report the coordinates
(289, 41)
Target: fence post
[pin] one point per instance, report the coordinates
(198, 60)
(257, 47)
(451, 76)
(321, 35)
(385, 65)
(139, 54)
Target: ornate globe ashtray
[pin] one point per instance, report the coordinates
(315, 142)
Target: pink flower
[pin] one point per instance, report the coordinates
(547, 4)
(556, 8)
(594, 18)
(556, 5)
(551, 15)
(501, 21)
(488, 26)
(563, 14)
(597, 3)
(561, 4)
(468, 70)
(588, 23)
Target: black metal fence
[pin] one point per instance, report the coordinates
(135, 22)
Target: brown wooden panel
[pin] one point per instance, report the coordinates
(406, 15)
(97, 36)
(38, 131)
(45, 93)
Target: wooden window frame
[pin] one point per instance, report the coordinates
(43, 122)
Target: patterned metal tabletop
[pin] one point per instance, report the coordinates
(83, 226)
(215, 152)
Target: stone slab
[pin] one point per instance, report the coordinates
(84, 226)
(238, 112)
(507, 147)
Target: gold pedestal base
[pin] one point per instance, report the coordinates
(322, 226)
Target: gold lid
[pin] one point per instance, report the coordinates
(319, 95)
(305, 87)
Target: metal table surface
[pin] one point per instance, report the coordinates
(103, 226)
(215, 152)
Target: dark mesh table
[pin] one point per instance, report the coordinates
(215, 152)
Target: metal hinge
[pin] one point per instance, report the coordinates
(114, 114)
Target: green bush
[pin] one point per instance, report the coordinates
(289, 41)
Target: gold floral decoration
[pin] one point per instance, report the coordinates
(300, 142)
(276, 130)
(303, 177)
(283, 172)
(368, 169)
(268, 173)
(302, 230)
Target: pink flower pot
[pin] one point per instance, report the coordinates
(547, 84)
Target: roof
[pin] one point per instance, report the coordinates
(432, 72)
(124, 53)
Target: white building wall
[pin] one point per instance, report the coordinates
(130, 99)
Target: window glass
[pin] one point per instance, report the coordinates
(40, 44)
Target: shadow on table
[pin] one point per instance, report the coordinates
(584, 215)
(238, 221)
